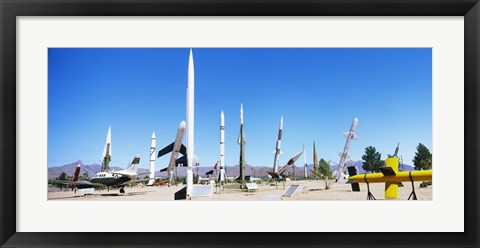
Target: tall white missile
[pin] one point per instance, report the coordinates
(350, 135)
(222, 147)
(153, 147)
(277, 147)
(107, 151)
(190, 123)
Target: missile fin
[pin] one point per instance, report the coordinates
(183, 150)
(165, 150)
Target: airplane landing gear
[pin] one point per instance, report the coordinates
(122, 190)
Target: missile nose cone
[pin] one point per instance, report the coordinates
(78, 165)
(221, 115)
(355, 120)
(153, 135)
(182, 125)
(281, 122)
(241, 113)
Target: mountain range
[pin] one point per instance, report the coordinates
(255, 171)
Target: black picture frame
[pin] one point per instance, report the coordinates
(10, 9)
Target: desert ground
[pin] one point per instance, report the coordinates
(307, 191)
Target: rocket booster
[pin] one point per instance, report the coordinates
(277, 147)
(190, 123)
(107, 151)
(350, 135)
(153, 147)
(176, 149)
(222, 147)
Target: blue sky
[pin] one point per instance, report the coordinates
(318, 91)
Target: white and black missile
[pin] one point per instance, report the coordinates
(350, 135)
(222, 148)
(153, 147)
(277, 147)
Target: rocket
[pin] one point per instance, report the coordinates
(277, 147)
(241, 142)
(107, 151)
(315, 159)
(305, 173)
(284, 168)
(153, 147)
(190, 123)
(177, 144)
(350, 135)
(222, 148)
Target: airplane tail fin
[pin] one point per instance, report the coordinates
(77, 173)
(134, 165)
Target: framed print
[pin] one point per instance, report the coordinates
(77, 72)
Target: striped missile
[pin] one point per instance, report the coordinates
(277, 147)
(222, 147)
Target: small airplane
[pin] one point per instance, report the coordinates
(114, 179)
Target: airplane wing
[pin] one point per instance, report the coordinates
(127, 173)
(164, 169)
(85, 184)
(133, 182)
(165, 150)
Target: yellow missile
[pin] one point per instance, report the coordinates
(392, 177)
(403, 176)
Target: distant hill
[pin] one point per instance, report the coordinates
(69, 169)
(360, 170)
(256, 171)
